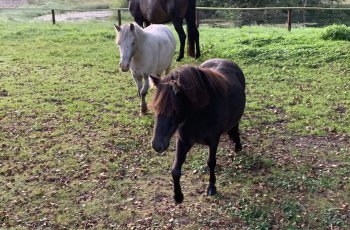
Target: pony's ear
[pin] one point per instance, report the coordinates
(155, 80)
(132, 27)
(117, 27)
(176, 87)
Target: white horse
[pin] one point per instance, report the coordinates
(145, 51)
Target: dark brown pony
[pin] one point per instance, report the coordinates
(164, 11)
(200, 103)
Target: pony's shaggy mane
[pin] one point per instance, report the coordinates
(197, 84)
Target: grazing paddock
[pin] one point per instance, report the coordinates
(74, 152)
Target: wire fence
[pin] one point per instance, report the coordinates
(276, 16)
(218, 17)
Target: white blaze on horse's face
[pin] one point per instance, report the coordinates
(126, 44)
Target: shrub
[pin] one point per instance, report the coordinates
(121, 3)
(336, 32)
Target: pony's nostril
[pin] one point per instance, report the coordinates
(124, 67)
(157, 148)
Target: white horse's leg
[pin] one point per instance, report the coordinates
(138, 80)
(143, 94)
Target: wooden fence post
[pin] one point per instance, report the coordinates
(119, 18)
(53, 17)
(289, 20)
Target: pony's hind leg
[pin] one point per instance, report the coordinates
(177, 22)
(192, 31)
(139, 21)
(234, 135)
(146, 24)
(198, 51)
(193, 49)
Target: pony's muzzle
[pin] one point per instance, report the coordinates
(159, 147)
(124, 66)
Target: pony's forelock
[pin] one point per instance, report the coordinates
(162, 102)
(124, 31)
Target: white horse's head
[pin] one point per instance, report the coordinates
(126, 43)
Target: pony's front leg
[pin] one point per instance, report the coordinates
(212, 164)
(143, 94)
(138, 80)
(181, 151)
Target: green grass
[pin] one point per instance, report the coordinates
(74, 152)
(298, 67)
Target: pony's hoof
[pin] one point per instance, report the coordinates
(143, 110)
(179, 198)
(211, 191)
(142, 113)
(238, 147)
(179, 58)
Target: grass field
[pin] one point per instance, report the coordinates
(74, 152)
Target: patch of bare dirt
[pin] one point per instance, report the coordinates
(78, 16)
(12, 3)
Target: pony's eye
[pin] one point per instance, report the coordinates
(133, 43)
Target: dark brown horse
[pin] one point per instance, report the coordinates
(200, 103)
(164, 11)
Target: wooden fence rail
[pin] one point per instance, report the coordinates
(118, 10)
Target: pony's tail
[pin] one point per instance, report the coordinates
(192, 31)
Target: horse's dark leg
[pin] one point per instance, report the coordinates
(177, 22)
(211, 164)
(193, 38)
(181, 151)
(234, 135)
(146, 24)
(198, 51)
(139, 21)
(192, 30)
